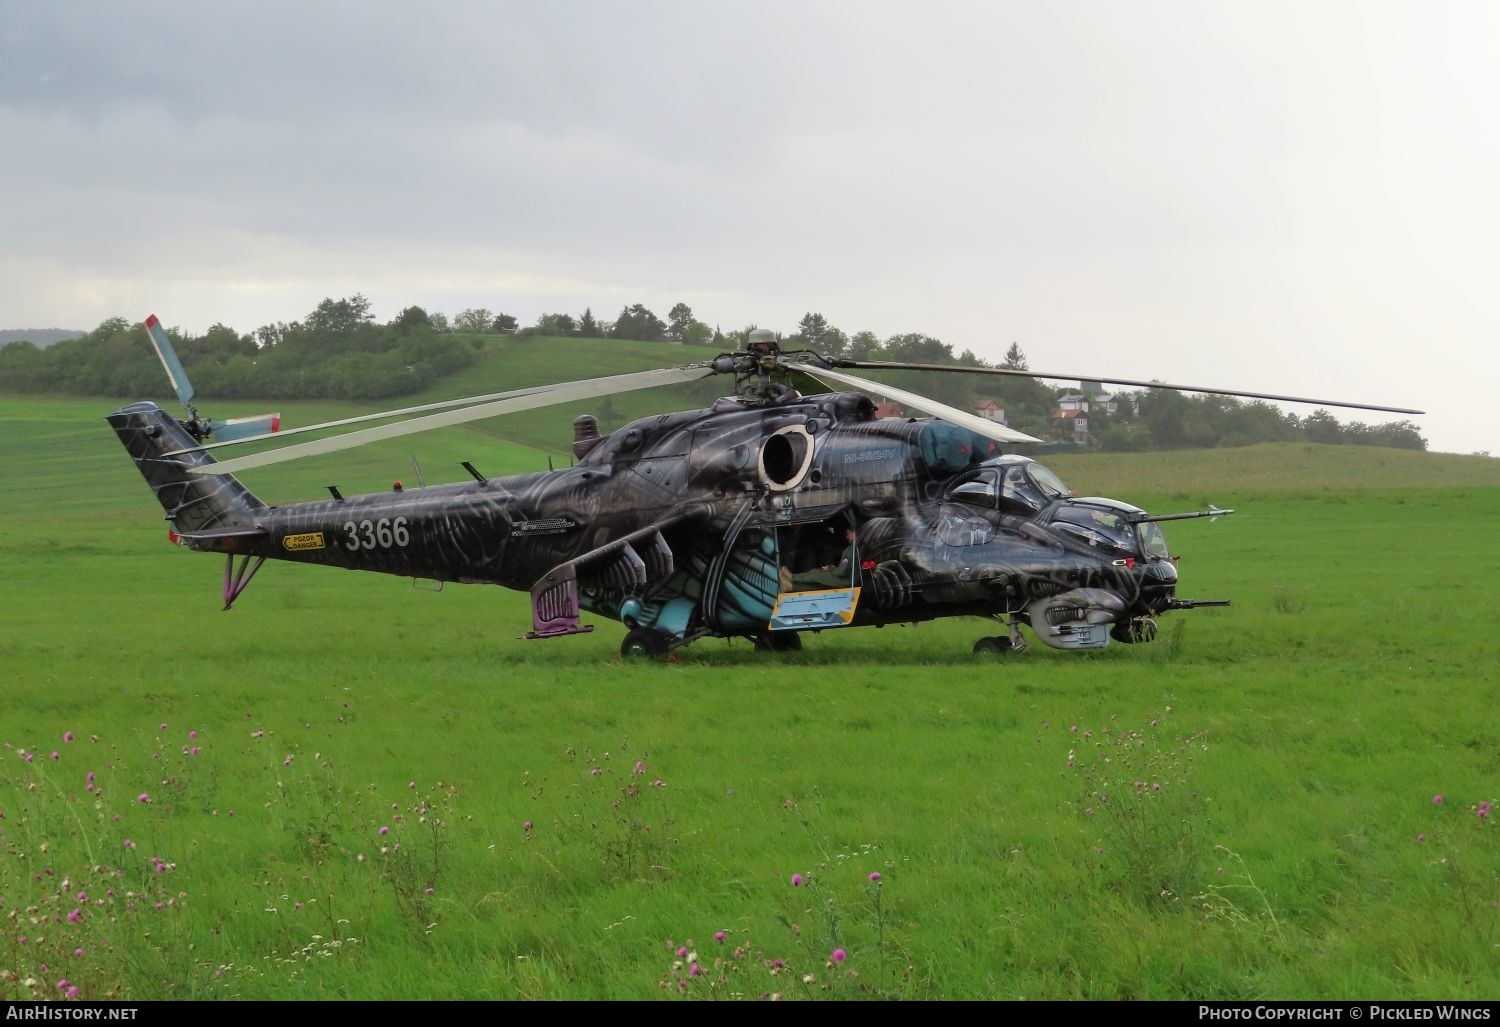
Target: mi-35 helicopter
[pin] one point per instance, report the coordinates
(766, 515)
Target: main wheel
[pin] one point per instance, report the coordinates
(993, 644)
(644, 642)
(780, 641)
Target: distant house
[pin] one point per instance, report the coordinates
(1077, 423)
(1073, 403)
(888, 409)
(990, 411)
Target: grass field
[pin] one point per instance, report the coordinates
(350, 788)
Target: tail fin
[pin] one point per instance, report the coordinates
(193, 502)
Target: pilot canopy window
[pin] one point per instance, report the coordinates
(1012, 491)
(1097, 527)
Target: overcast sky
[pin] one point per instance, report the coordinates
(1282, 197)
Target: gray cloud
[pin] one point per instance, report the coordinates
(1272, 196)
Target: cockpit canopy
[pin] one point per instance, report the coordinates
(1011, 484)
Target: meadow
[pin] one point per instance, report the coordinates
(351, 788)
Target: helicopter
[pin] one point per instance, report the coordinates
(767, 515)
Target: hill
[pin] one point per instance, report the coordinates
(41, 337)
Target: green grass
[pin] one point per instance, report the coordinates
(1353, 679)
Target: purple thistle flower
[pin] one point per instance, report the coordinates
(1437, 800)
(694, 970)
(719, 936)
(72, 991)
(796, 880)
(682, 952)
(55, 755)
(75, 916)
(839, 955)
(129, 844)
(77, 952)
(384, 830)
(67, 736)
(1421, 837)
(143, 797)
(526, 826)
(164, 725)
(875, 876)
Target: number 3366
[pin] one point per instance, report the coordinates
(381, 534)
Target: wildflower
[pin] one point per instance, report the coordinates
(719, 936)
(72, 991)
(839, 955)
(28, 757)
(143, 797)
(384, 830)
(694, 970)
(796, 880)
(1421, 837)
(54, 754)
(163, 725)
(75, 916)
(777, 964)
(67, 736)
(1483, 810)
(640, 767)
(192, 734)
(875, 876)
(682, 952)
(411, 784)
(77, 952)
(1437, 800)
(526, 826)
(63, 985)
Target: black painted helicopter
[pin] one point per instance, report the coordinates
(766, 515)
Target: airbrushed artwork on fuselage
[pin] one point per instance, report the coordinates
(695, 523)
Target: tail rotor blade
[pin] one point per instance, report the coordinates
(168, 357)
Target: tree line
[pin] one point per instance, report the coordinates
(340, 351)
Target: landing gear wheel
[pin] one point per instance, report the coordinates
(995, 644)
(644, 642)
(1142, 629)
(780, 642)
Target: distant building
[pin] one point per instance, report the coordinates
(1073, 403)
(1075, 424)
(990, 411)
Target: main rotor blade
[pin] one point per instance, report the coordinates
(894, 365)
(549, 396)
(982, 425)
(404, 411)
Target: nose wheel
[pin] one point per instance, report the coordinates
(1140, 629)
